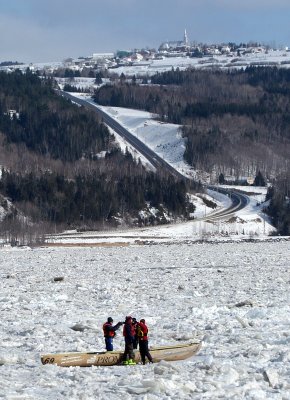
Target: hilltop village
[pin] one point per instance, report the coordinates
(184, 52)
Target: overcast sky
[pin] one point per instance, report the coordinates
(52, 30)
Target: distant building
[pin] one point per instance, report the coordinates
(242, 180)
(12, 114)
(99, 56)
(178, 45)
(225, 49)
(136, 57)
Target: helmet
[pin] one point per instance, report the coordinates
(110, 319)
(128, 317)
(142, 320)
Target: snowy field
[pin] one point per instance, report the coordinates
(234, 295)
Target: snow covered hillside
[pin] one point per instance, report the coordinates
(166, 140)
(234, 296)
(279, 58)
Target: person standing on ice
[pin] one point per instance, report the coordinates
(110, 332)
(142, 332)
(129, 335)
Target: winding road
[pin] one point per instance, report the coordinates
(239, 200)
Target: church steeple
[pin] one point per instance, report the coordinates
(185, 38)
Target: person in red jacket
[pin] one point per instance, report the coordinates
(129, 335)
(142, 332)
(110, 332)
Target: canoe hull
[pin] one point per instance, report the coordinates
(108, 358)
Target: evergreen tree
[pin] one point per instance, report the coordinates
(221, 179)
(99, 78)
(259, 180)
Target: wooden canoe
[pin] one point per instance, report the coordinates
(107, 358)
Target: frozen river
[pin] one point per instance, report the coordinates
(235, 296)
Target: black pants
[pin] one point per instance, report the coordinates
(128, 352)
(135, 343)
(144, 351)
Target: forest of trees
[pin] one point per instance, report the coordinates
(89, 198)
(53, 170)
(47, 123)
(235, 122)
